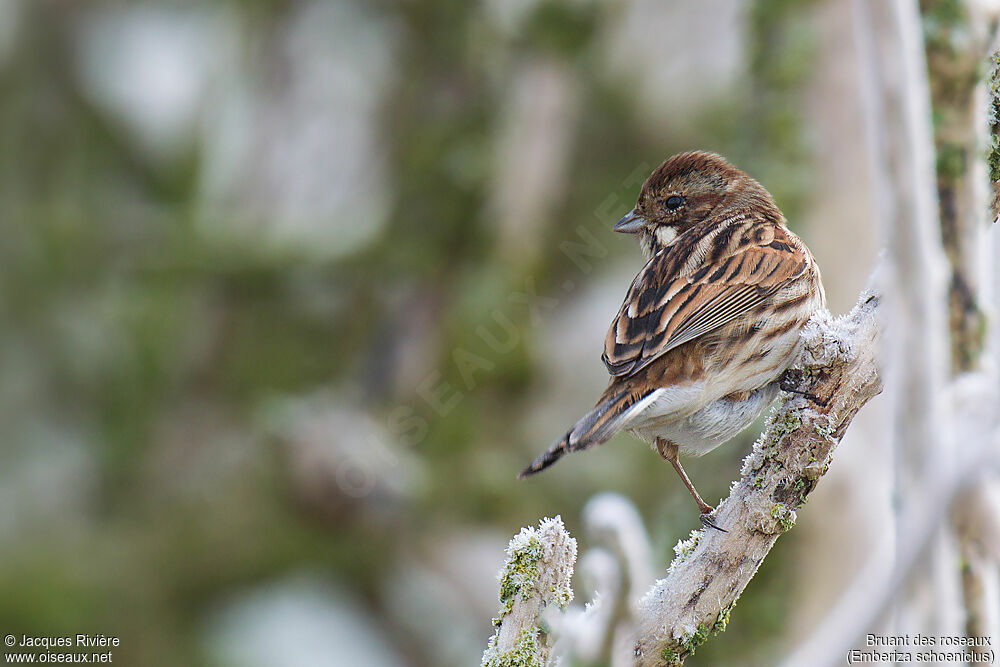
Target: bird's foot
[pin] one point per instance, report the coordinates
(708, 519)
(790, 382)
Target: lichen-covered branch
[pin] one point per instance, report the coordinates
(535, 577)
(993, 149)
(836, 375)
(955, 46)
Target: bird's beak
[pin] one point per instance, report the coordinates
(630, 223)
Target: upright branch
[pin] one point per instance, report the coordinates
(535, 577)
(956, 46)
(836, 375)
(993, 152)
(955, 49)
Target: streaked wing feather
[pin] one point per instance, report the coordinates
(733, 306)
(674, 303)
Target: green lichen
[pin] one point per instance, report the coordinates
(504, 610)
(723, 621)
(687, 644)
(691, 642)
(993, 157)
(993, 154)
(784, 424)
(784, 515)
(524, 654)
(537, 572)
(825, 430)
(670, 657)
(521, 571)
(802, 488)
(780, 422)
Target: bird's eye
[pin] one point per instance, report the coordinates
(674, 202)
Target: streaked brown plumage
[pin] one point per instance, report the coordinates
(710, 323)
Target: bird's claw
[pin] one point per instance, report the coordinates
(790, 382)
(708, 520)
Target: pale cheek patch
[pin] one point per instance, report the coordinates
(665, 235)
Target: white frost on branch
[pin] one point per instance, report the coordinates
(535, 577)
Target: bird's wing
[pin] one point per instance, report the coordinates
(689, 289)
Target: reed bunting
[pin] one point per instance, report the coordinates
(710, 323)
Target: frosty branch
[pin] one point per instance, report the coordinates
(835, 376)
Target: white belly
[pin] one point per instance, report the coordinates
(707, 428)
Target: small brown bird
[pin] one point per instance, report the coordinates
(710, 323)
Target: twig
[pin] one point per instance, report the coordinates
(536, 576)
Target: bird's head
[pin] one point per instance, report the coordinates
(683, 191)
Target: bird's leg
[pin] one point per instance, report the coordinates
(668, 451)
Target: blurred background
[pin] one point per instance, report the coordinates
(291, 290)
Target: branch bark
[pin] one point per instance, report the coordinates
(836, 375)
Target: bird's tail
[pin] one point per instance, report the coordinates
(595, 428)
(548, 457)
